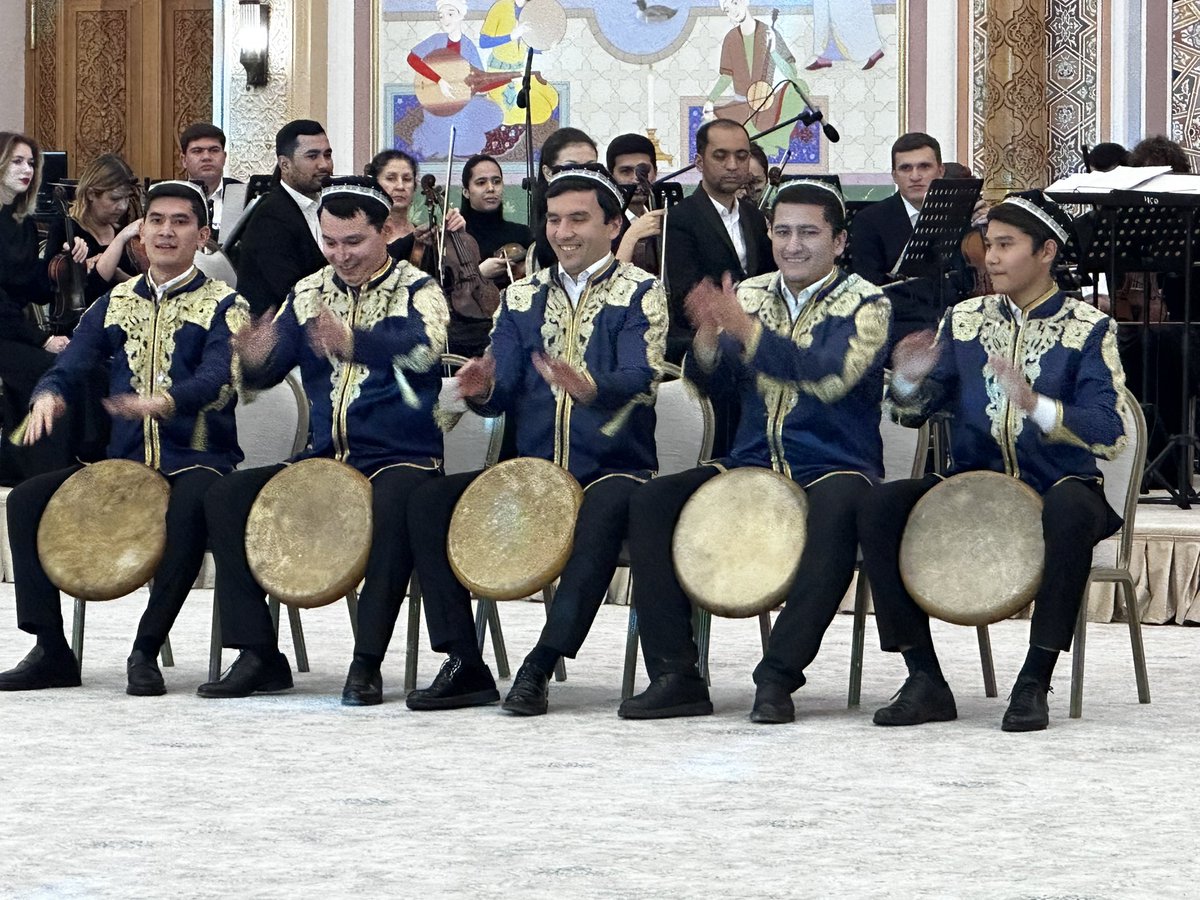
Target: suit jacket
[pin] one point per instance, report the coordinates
(275, 251)
(698, 246)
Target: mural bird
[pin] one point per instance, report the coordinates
(654, 13)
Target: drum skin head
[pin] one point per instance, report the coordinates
(738, 542)
(513, 529)
(104, 531)
(309, 532)
(972, 552)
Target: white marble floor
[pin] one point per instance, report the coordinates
(106, 795)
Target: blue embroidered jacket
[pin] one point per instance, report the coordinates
(179, 346)
(1066, 349)
(811, 390)
(377, 410)
(616, 336)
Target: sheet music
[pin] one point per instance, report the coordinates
(1122, 178)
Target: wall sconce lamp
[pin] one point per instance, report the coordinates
(253, 36)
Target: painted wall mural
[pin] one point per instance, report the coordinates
(655, 66)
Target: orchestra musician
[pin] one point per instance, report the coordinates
(483, 214)
(396, 172)
(576, 352)
(624, 154)
(1033, 380)
(804, 348)
(367, 332)
(202, 156)
(164, 339)
(281, 241)
(712, 232)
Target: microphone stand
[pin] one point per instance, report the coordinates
(808, 117)
(523, 103)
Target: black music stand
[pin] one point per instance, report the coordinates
(937, 237)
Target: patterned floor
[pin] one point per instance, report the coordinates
(113, 796)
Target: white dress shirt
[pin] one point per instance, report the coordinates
(795, 302)
(912, 211)
(161, 290)
(732, 220)
(575, 287)
(308, 207)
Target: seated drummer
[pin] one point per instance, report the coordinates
(367, 332)
(804, 349)
(1033, 383)
(164, 338)
(575, 353)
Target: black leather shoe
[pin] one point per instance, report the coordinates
(364, 685)
(919, 700)
(144, 677)
(40, 669)
(530, 692)
(773, 705)
(458, 684)
(1027, 707)
(669, 696)
(250, 674)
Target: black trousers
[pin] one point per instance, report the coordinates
(38, 605)
(826, 569)
(245, 619)
(1075, 517)
(21, 365)
(599, 531)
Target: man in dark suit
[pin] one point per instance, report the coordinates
(712, 232)
(202, 156)
(281, 241)
(881, 231)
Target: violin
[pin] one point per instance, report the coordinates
(457, 260)
(514, 255)
(69, 277)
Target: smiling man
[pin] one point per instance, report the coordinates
(803, 350)
(576, 354)
(1033, 383)
(165, 340)
(367, 332)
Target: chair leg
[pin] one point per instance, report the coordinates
(702, 626)
(214, 643)
(858, 639)
(168, 657)
(1077, 661)
(631, 655)
(1135, 640)
(413, 638)
(985, 660)
(352, 610)
(298, 639)
(560, 667)
(764, 630)
(77, 631)
(493, 614)
(273, 607)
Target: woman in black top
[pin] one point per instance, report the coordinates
(483, 208)
(26, 351)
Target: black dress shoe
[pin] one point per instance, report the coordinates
(40, 669)
(919, 700)
(458, 684)
(143, 675)
(530, 692)
(773, 705)
(669, 696)
(364, 685)
(1027, 707)
(250, 674)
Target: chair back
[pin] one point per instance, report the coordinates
(683, 431)
(904, 449)
(273, 424)
(1123, 475)
(473, 442)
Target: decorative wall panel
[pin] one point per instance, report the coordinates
(45, 111)
(979, 47)
(100, 99)
(1072, 83)
(253, 116)
(188, 36)
(1185, 78)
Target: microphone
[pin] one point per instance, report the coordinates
(831, 133)
(526, 82)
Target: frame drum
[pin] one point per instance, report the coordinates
(513, 528)
(104, 531)
(972, 551)
(309, 532)
(738, 541)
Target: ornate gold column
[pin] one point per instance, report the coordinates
(1015, 139)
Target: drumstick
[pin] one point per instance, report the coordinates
(406, 391)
